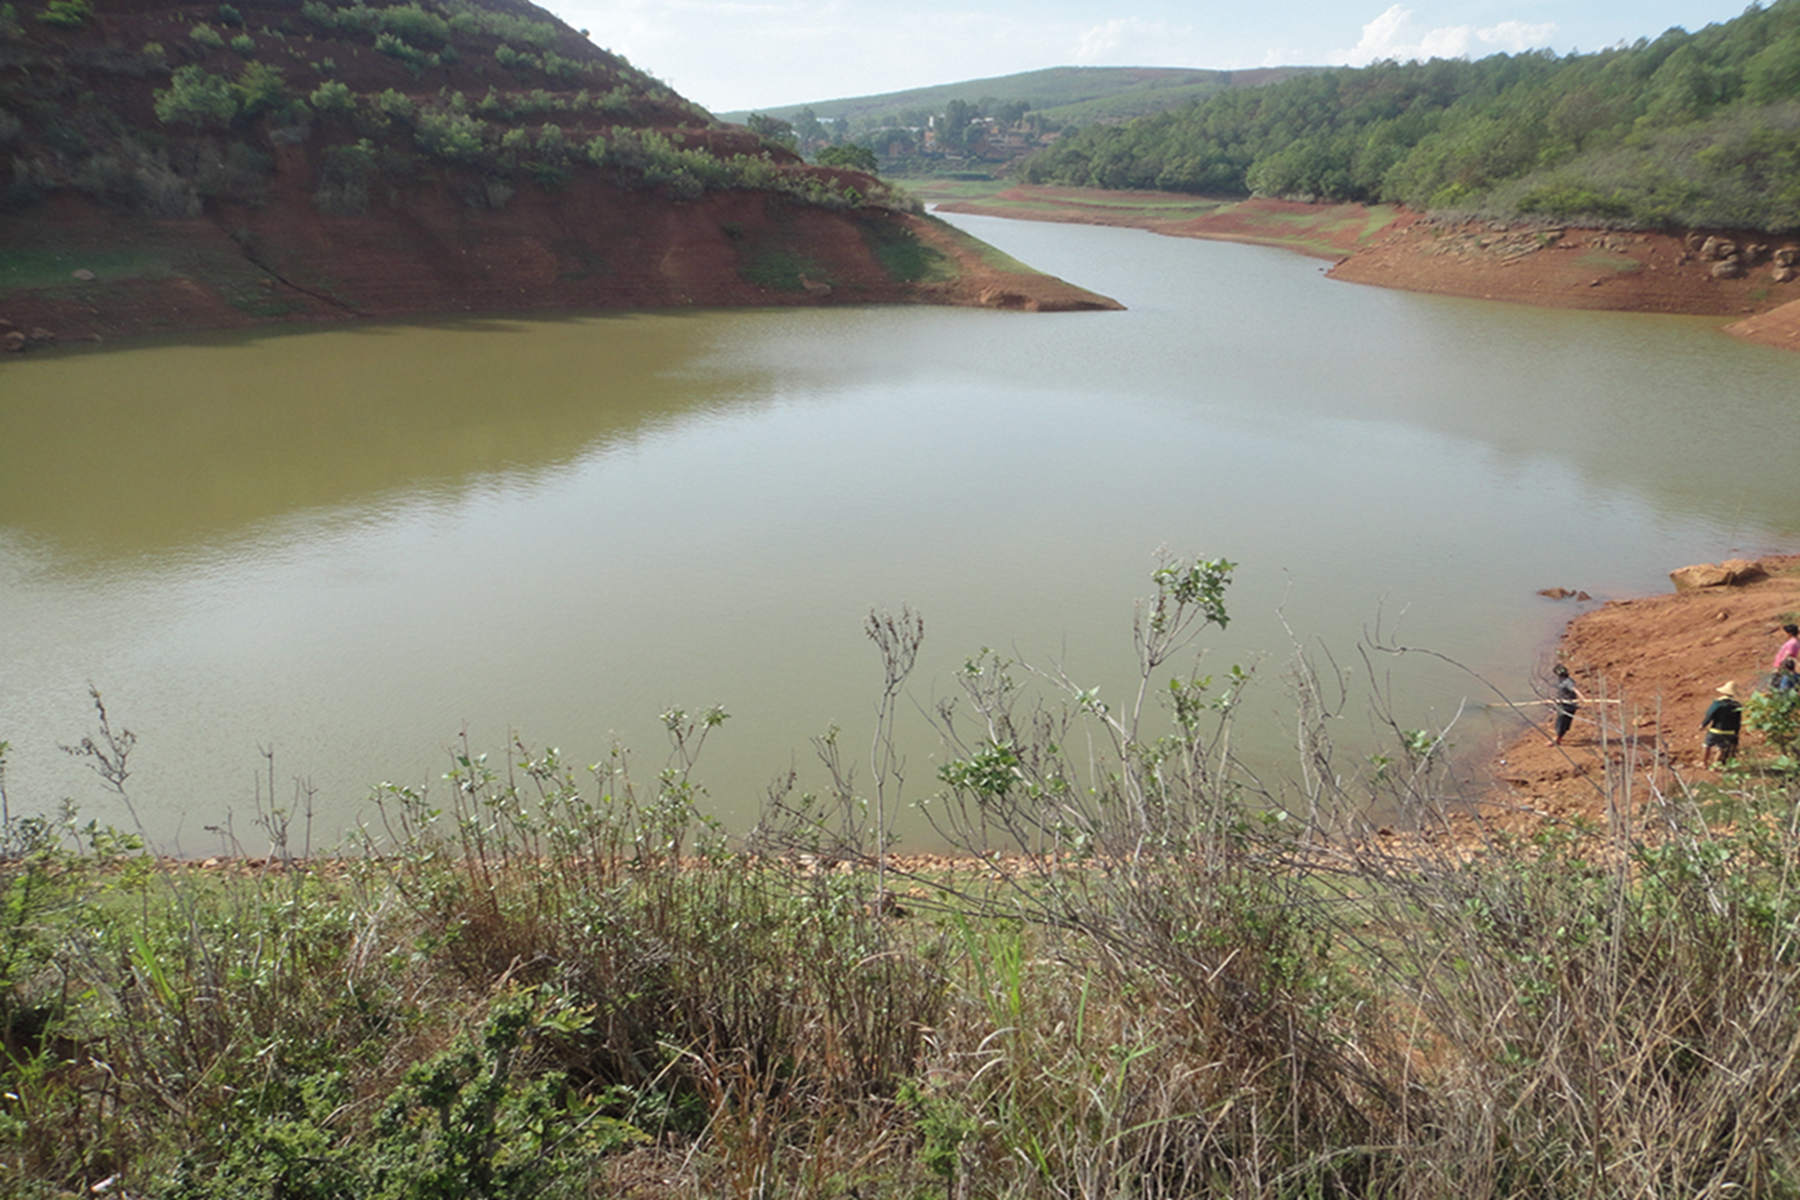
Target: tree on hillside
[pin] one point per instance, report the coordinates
(773, 128)
(857, 158)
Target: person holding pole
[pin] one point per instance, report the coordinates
(1567, 701)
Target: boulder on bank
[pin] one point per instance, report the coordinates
(1730, 573)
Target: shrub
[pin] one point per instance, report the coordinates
(450, 135)
(67, 14)
(1776, 715)
(857, 158)
(9, 22)
(244, 44)
(395, 46)
(261, 89)
(198, 98)
(333, 96)
(230, 17)
(395, 104)
(203, 34)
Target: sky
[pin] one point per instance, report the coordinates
(728, 55)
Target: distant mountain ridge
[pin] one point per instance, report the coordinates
(1061, 94)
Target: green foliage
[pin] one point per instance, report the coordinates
(1689, 129)
(198, 98)
(229, 17)
(1776, 715)
(261, 89)
(332, 96)
(66, 14)
(904, 257)
(10, 28)
(857, 158)
(203, 34)
(415, 59)
(398, 105)
(773, 129)
(243, 44)
(455, 136)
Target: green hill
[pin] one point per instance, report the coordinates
(1062, 94)
(1691, 129)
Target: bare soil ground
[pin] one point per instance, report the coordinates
(1658, 659)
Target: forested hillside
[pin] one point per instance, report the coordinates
(1689, 129)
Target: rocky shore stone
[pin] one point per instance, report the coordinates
(1730, 573)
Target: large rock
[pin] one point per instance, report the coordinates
(1727, 268)
(1733, 572)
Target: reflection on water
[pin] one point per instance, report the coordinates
(348, 546)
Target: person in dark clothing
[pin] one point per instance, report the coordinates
(1724, 717)
(1567, 696)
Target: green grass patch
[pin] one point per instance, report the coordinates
(998, 259)
(1601, 260)
(905, 258)
(938, 191)
(779, 269)
(54, 267)
(1377, 218)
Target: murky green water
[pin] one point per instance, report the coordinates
(349, 546)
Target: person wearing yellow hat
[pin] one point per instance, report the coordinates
(1724, 717)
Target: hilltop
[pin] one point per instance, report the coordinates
(1060, 94)
(178, 166)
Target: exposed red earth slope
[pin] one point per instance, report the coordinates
(116, 221)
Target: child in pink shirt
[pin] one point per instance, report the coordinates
(1789, 649)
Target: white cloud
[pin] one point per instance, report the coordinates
(1129, 40)
(1394, 34)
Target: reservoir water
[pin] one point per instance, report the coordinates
(348, 547)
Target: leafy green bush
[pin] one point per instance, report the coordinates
(261, 89)
(203, 34)
(1776, 715)
(197, 97)
(457, 137)
(415, 59)
(244, 44)
(67, 14)
(857, 158)
(332, 96)
(395, 104)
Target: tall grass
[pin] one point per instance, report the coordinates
(1148, 977)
